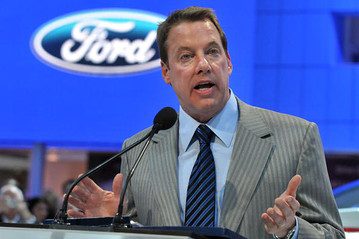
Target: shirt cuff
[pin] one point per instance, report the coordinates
(296, 231)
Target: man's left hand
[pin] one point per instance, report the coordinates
(280, 218)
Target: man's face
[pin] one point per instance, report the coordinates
(9, 201)
(198, 68)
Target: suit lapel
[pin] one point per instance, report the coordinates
(251, 152)
(165, 178)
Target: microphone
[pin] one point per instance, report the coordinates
(163, 120)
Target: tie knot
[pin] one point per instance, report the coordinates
(203, 134)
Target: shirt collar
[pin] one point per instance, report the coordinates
(223, 124)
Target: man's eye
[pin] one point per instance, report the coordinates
(185, 57)
(213, 51)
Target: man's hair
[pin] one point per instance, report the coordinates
(13, 189)
(190, 14)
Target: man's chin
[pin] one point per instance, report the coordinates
(207, 112)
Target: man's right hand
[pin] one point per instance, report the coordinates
(92, 201)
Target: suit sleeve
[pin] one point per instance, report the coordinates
(318, 216)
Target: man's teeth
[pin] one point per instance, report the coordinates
(204, 86)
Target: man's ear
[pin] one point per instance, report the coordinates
(165, 72)
(229, 62)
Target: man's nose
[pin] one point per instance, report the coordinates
(203, 65)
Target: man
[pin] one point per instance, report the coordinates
(39, 207)
(257, 154)
(13, 208)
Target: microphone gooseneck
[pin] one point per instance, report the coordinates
(164, 119)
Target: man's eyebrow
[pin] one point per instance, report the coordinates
(210, 44)
(213, 43)
(183, 48)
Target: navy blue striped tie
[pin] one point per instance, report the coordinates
(200, 203)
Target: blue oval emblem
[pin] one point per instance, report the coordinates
(105, 42)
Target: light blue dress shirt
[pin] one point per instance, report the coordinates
(224, 126)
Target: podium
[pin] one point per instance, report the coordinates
(30, 231)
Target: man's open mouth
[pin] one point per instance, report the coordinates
(204, 86)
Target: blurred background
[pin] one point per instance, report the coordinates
(293, 56)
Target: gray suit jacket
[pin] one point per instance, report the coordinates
(270, 148)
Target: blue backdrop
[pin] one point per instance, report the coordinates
(287, 56)
(40, 103)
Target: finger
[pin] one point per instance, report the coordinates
(283, 208)
(81, 193)
(293, 186)
(77, 203)
(293, 203)
(71, 206)
(269, 224)
(90, 185)
(75, 213)
(276, 216)
(287, 221)
(117, 184)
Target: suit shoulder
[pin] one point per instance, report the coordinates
(276, 119)
(137, 136)
(278, 124)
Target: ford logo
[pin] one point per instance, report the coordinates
(105, 42)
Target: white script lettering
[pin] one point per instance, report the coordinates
(90, 38)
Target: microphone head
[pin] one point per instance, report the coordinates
(164, 119)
